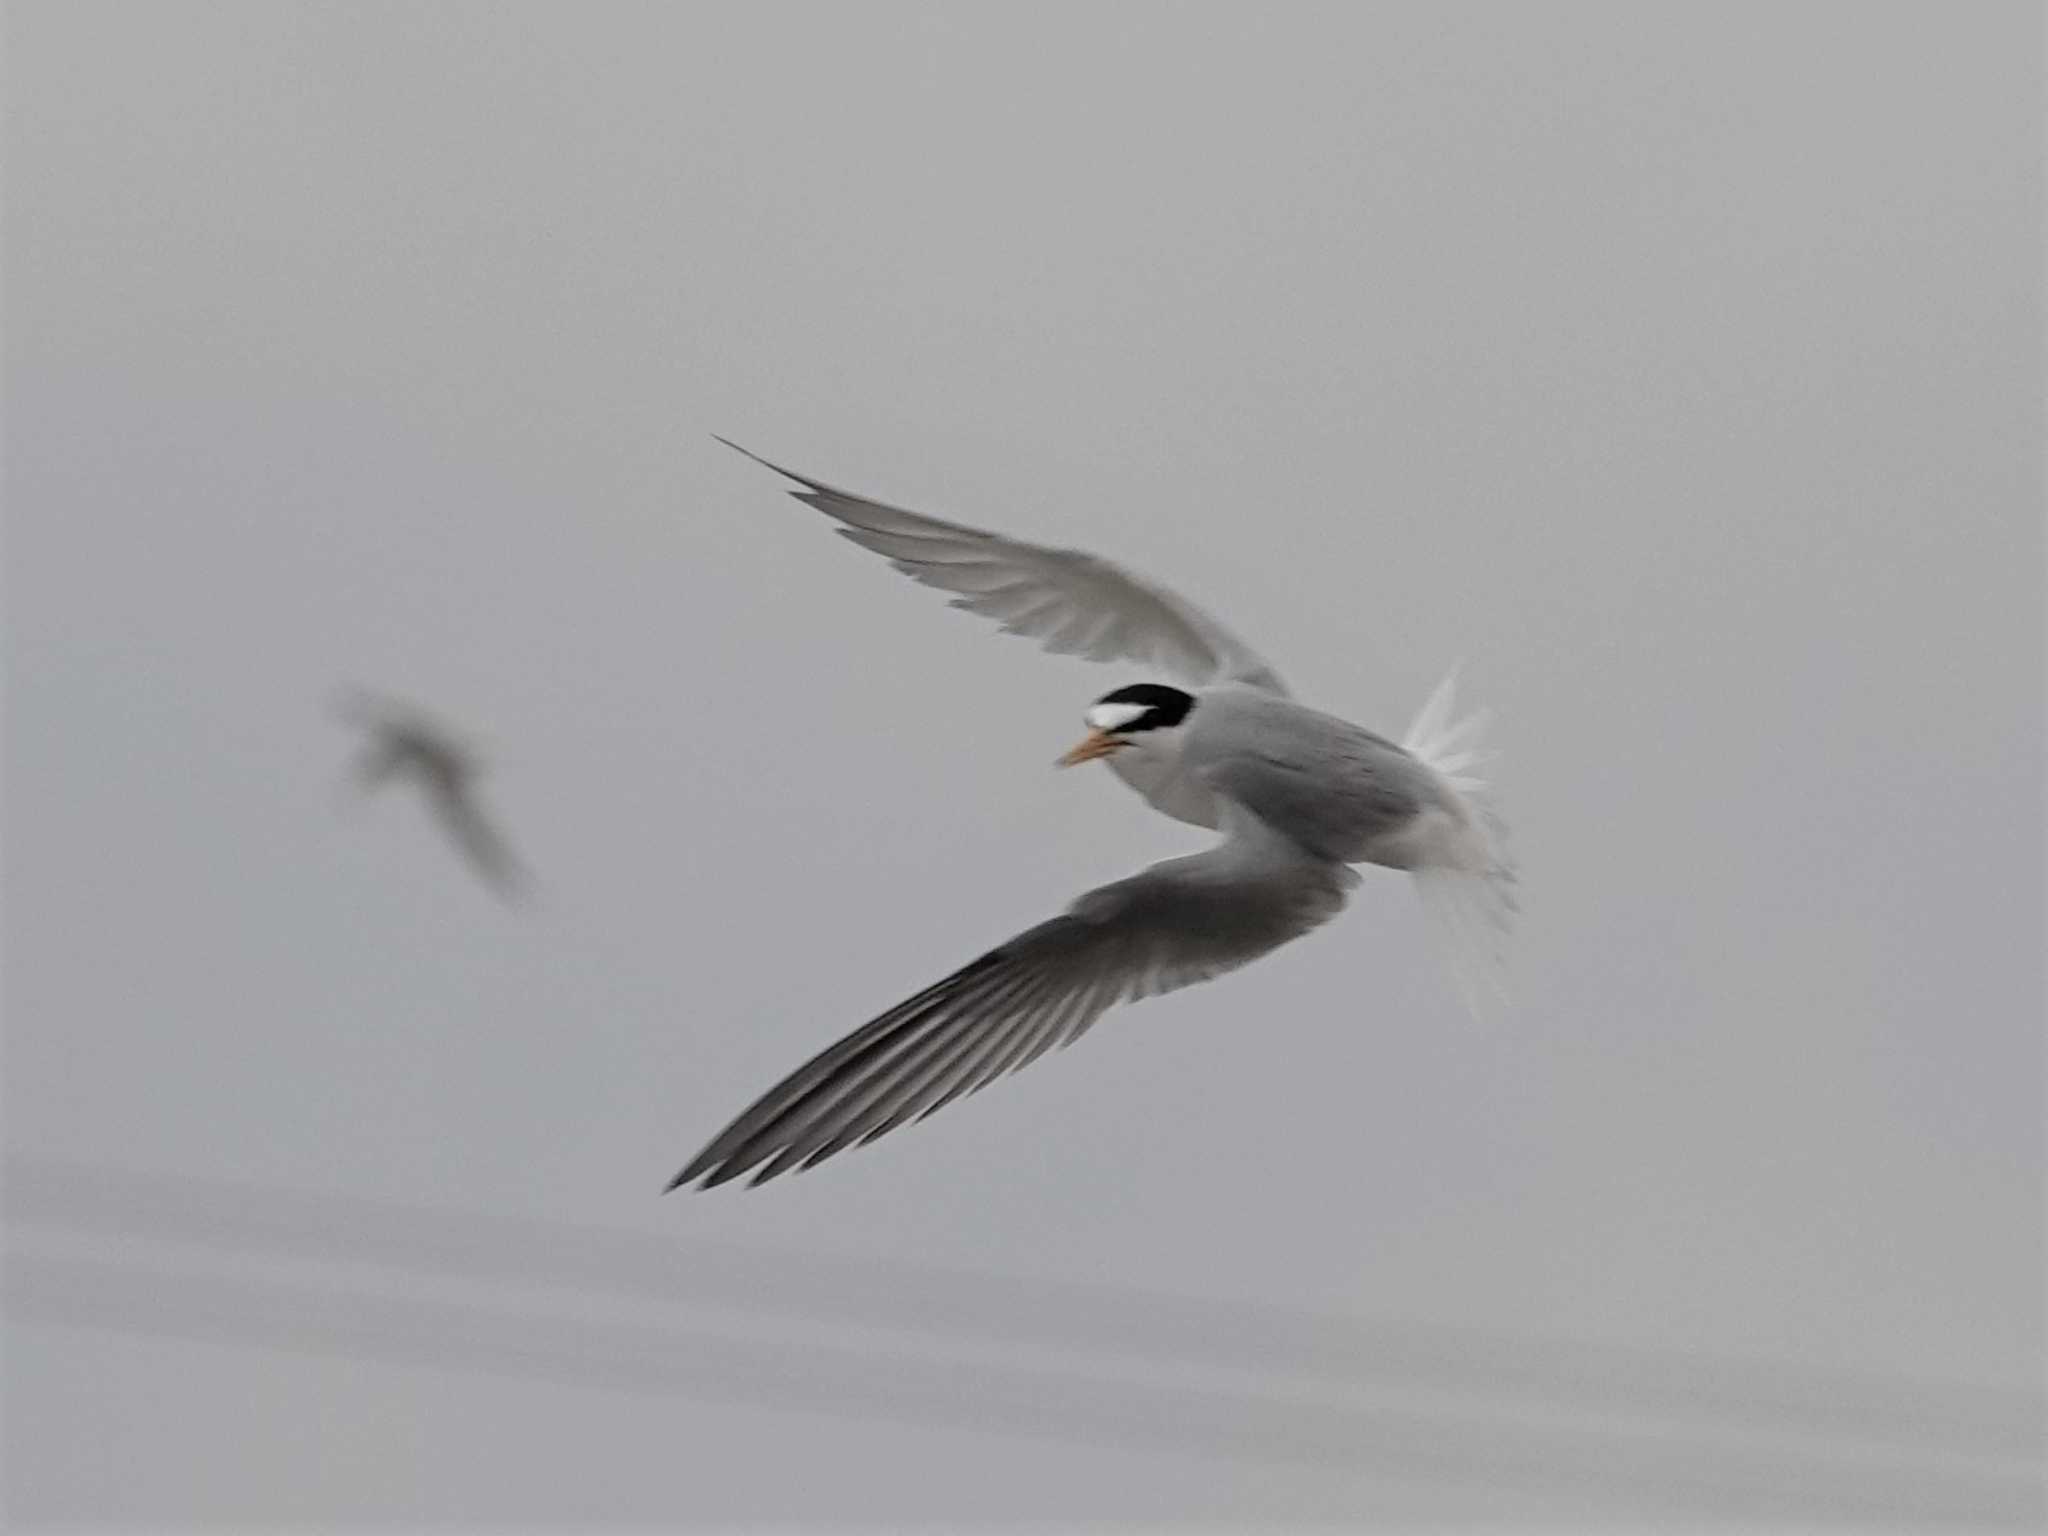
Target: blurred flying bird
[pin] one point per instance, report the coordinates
(407, 743)
(1298, 795)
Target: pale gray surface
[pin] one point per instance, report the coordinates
(1677, 367)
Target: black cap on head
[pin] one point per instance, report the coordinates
(1140, 707)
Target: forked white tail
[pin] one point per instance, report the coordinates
(1465, 874)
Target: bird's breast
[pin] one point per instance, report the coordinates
(1167, 787)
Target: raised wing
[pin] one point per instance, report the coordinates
(1170, 926)
(1074, 603)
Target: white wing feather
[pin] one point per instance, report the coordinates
(1072, 602)
(1170, 926)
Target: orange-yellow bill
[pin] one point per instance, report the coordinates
(1095, 744)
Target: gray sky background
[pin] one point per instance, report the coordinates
(1676, 368)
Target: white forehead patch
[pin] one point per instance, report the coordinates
(1114, 717)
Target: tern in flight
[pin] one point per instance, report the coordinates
(1297, 796)
(406, 743)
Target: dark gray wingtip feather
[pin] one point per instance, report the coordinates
(787, 474)
(714, 1166)
(699, 1165)
(817, 487)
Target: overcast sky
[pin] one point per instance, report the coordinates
(1675, 368)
